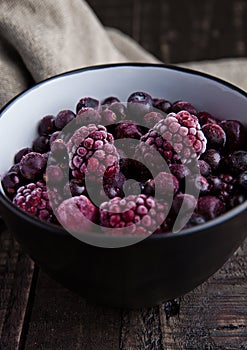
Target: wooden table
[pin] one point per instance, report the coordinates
(36, 313)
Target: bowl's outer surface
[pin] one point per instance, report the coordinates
(158, 268)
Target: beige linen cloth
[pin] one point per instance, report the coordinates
(41, 38)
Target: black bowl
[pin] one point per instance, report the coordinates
(159, 268)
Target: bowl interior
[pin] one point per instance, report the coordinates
(18, 122)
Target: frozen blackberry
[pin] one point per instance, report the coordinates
(139, 104)
(33, 199)
(87, 102)
(32, 165)
(77, 213)
(184, 133)
(91, 151)
(183, 106)
(138, 213)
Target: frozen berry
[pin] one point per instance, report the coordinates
(242, 179)
(151, 118)
(22, 152)
(197, 184)
(132, 169)
(33, 199)
(210, 207)
(162, 104)
(180, 171)
(63, 118)
(206, 118)
(87, 102)
(41, 144)
(75, 187)
(109, 100)
(32, 165)
(11, 181)
(183, 106)
(237, 161)
(76, 214)
(195, 220)
(113, 182)
(212, 157)
(235, 134)
(236, 199)
(187, 200)
(139, 104)
(119, 109)
(54, 136)
(87, 116)
(139, 214)
(53, 174)
(204, 167)
(163, 186)
(215, 135)
(46, 125)
(108, 117)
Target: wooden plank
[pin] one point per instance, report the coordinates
(16, 272)
(62, 320)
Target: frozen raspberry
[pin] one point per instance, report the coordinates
(63, 118)
(87, 102)
(183, 106)
(139, 104)
(46, 125)
(87, 116)
(41, 144)
(109, 100)
(91, 151)
(183, 133)
(205, 118)
(235, 134)
(33, 199)
(76, 214)
(162, 104)
(215, 135)
(152, 118)
(213, 158)
(237, 162)
(32, 165)
(210, 207)
(138, 213)
(22, 152)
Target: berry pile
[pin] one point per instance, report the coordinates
(80, 169)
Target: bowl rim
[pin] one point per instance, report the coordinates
(55, 229)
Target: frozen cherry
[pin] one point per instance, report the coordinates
(210, 207)
(235, 134)
(63, 118)
(183, 106)
(41, 144)
(88, 116)
(21, 153)
(32, 165)
(215, 135)
(212, 157)
(139, 104)
(119, 109)
(46, 125)
(206, 118)
(87, 102)
(187, 200)
(162, 104)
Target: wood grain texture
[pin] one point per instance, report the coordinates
(180, 31)
(16, 271)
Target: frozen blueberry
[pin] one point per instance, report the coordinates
(206, 118)
(32, 165)
(235, 134)
(162, 104)
(109, 100)
(46, 125)
(215, 135)
(21, 153)
(139, 104)
(87, 102)
(212, 157)
(41, 144)
(63, 118)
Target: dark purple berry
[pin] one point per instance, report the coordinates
(196, 220)
(183, 106)
(237, 162)
(151, 118)
(119, 109)
(215, 135)
(75, 187)
(204, 167)
(206, 118)
(210, 207)
(54, 136)
(21, 153)
(41, 144)
(132, 169)
(162, 104)
(180, 171)
(32, 165)
(87, 102)
(53, 174)
(236, 199)
(242, 179)
(11, 181)
(139, 104)
(113, 182)
(132, 187)
(63, 118)
(212, 157)
(197, 184)
(109, 100)
(46, 125)
(108, 117)
(235, 134)
(87, 116)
